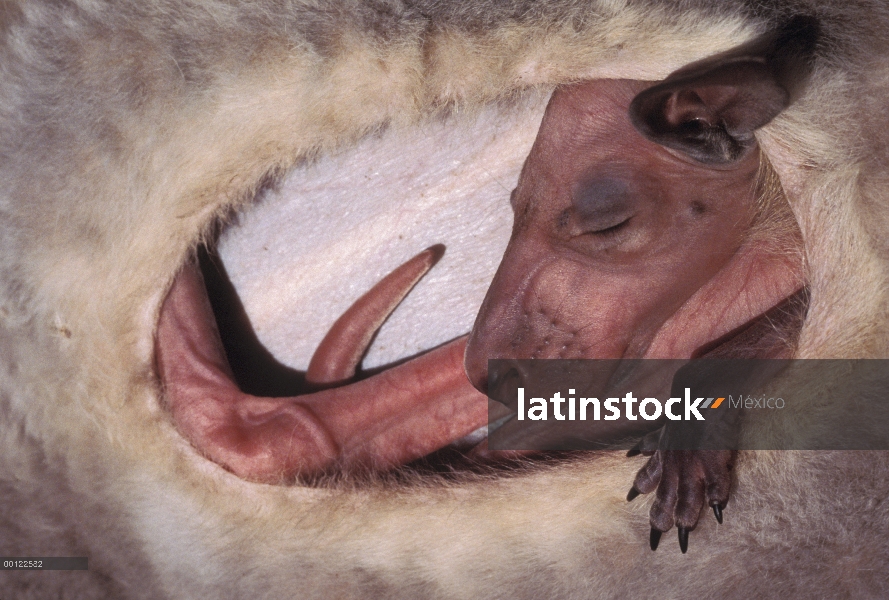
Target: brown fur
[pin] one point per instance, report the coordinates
(126, 128)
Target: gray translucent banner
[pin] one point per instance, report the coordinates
(701, 404)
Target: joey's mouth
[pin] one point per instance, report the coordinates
(276, 425)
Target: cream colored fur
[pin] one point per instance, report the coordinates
(126, 128)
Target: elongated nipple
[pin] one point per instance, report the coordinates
(340, 352)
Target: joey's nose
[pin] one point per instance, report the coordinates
(508, 374)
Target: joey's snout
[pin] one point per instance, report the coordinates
(508, 324)
(495, 331)
(542, 305)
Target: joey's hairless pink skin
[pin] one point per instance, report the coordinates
(622, 248)
(391, 418)
(625, 248)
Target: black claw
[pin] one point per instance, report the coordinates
(717, 512)
(634, 451)
(633, 493)
(654, 538)
(683, 539)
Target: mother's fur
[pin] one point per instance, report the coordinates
(128, 128)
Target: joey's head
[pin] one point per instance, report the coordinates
(645, 223)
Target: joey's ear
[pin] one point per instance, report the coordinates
(710, 108)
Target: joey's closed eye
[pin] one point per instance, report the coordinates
(602, 204)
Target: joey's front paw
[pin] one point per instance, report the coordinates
(686, 481)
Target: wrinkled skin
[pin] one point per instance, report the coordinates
(622, 248)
